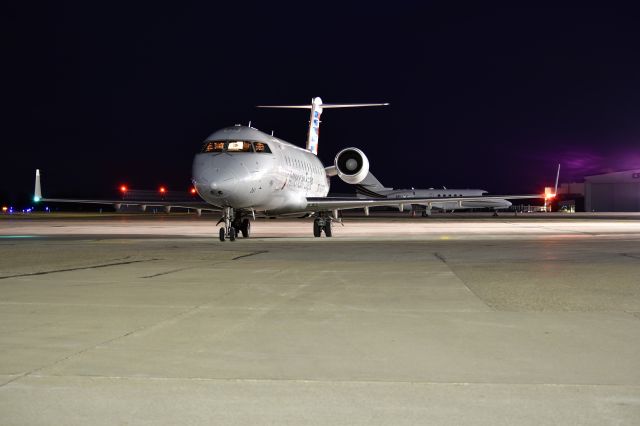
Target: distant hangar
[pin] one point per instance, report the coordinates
(613, 192)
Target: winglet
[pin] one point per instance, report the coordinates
(37, 192)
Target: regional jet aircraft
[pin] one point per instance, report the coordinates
(242, 171)
(371, 187)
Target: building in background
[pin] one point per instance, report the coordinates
(613, 192)
(570, 197)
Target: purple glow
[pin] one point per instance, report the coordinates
(578, 163)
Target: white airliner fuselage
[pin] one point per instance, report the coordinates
(244, 168)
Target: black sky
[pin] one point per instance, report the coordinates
(95, 94)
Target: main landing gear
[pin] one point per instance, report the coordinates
(322, 223)
(234, 224)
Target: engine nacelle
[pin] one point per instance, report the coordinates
(352, 166)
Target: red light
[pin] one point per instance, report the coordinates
(163, 189)
(193, 191)
(123, 188)
(548, 193)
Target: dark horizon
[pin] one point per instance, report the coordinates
(492, 98)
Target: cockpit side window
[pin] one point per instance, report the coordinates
(261, 147)
(213, 146)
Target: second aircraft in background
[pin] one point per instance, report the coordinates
(371, 188)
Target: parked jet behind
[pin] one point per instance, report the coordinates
(371, 187)
(241, 170)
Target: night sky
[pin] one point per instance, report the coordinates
(97, 94)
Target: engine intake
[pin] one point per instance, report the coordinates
(352, 165)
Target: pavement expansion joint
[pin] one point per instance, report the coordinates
(324, 381)
(440, 257)
(168, 272)
(250, 254)
(79, 268)
(632, 256)
(171, 319)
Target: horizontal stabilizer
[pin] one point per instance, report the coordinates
(323, 106)
(317, 106)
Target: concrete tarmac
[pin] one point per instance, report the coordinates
(473, 320)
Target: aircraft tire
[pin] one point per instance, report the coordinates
(232, 234)
(327, 230)
(221, 234)
(245, 228)
(316, 229)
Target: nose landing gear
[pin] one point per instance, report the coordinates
(228, 231)
(233, 225)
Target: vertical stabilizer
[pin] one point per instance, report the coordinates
(37, 191)
(314, 125)
(316, 108)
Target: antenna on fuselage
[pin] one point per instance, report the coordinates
(316, 108)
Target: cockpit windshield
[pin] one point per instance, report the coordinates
(239, 146)
(212, 146)
(235, 146)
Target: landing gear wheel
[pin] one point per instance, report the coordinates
(245, 228)
(232, 234)
(316, 229)
(327, 229)
(221, 234)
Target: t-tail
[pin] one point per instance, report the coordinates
(316, 108)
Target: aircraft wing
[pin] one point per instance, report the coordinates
(197, 205)
(345, 203)
(167, 204)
